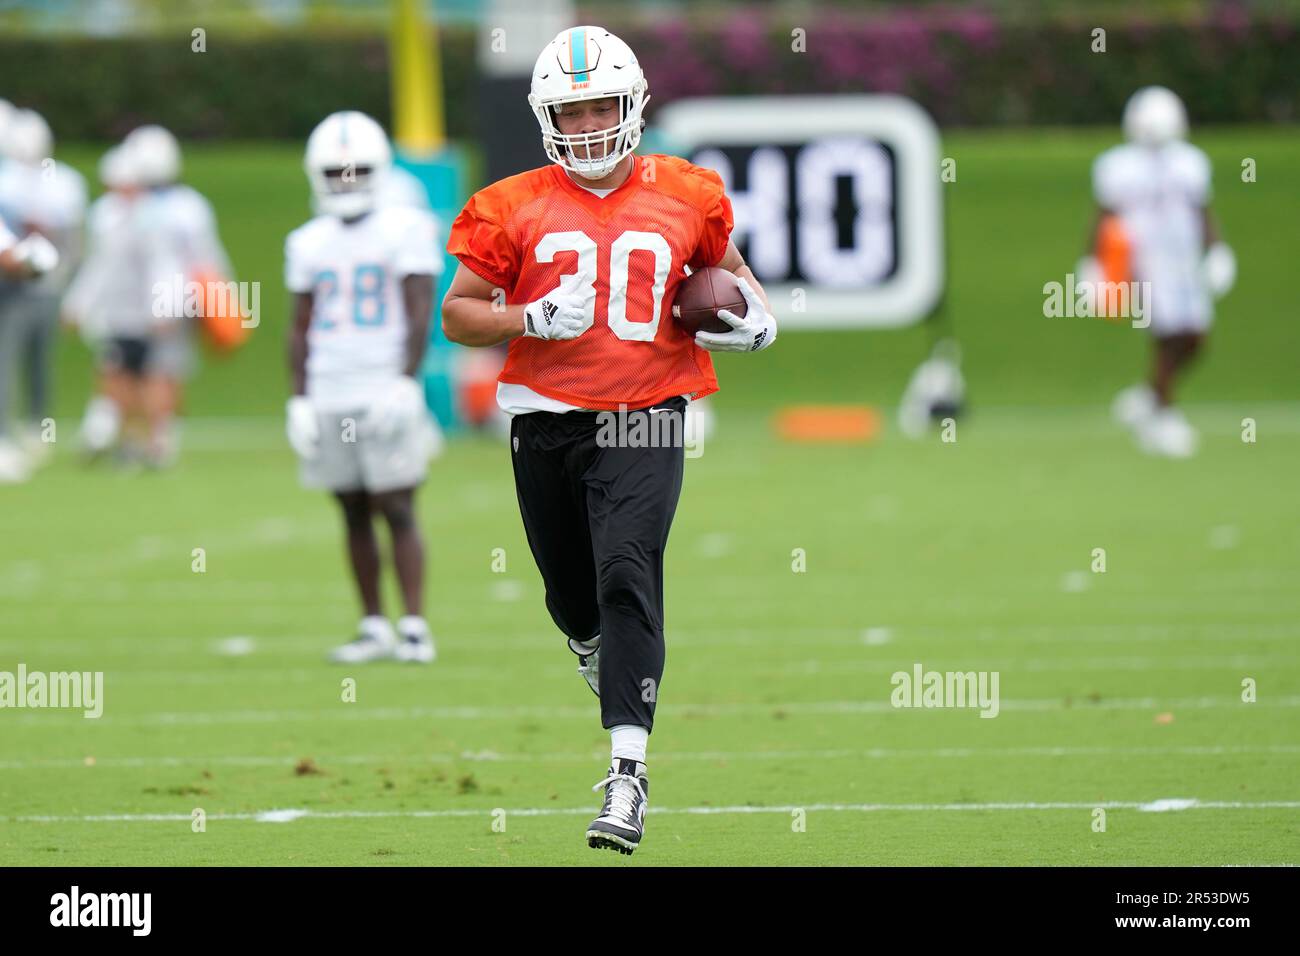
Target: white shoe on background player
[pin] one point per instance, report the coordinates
(1133, 405)
(621, 821)
(414, 641)
(14, 467)
(1167, 433)
(375, 640)
(588, 662)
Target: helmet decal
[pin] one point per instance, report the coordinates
(578, 58)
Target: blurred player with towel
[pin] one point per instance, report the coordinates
(112, 300)
(1156, 188)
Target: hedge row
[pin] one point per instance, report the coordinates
(971, 68)
(966, 67)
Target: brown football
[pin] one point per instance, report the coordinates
(700, 296)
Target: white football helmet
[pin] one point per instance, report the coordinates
(588, 63)
(1154, 116)
(155, 155)
(117, 169)
(28, 138)
(348, 158)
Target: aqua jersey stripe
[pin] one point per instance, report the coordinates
(578, 55)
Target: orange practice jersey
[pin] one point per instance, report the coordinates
(524, 233)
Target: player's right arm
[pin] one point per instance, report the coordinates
(300, 269)
(301, 425)
(474, 312)
(297, 341)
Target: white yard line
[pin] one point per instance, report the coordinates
(288, 815)
(51, 718)
(266, 433)
(915, 638)
(246, 674)
(491, 756)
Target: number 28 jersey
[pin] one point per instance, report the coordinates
(356, 342)
(628, 249)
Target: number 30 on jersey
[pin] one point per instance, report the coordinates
(620, 253)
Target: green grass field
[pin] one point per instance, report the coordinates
(1118, 689)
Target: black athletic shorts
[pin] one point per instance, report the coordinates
(597, 492)
(127, 354)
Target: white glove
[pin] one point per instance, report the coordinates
(755, 331)
(558, 315)
(399, 405)
(1220, 269)
(302, 426)
(37, 253)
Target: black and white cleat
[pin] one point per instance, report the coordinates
(621, 821)
(588, 662)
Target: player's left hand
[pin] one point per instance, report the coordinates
(302, 426)
(1220, 269)
(397, 406)
(755, 331)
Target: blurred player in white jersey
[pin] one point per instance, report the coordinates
(38, 197)
(189, 226)
(1157, 186)
(113, 302)
(14, 267)
(362, 276)
(21, 258)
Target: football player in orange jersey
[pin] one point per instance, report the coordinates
(576, 265)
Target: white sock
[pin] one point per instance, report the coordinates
(412, 625)
(100, 426)
(378, 626)
(628, 741)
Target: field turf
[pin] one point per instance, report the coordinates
(776, 742)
